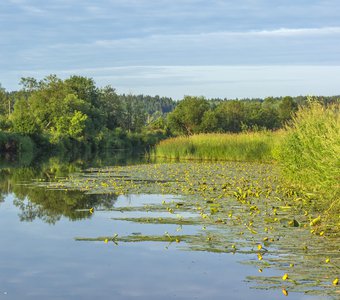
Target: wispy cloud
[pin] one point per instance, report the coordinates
(281, 32)
(270, 46)
(295, 32)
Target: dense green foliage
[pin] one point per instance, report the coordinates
(74, 112)
(310, 153)
(197, 115)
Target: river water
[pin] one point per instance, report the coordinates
(42, 257)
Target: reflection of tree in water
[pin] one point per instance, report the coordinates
(4, 184)
(48, 205)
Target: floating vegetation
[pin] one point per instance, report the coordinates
(237, 208)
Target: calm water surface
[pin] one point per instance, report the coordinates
(40, 258)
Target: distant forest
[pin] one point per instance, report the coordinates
(75, 112)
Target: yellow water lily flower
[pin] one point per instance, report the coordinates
(285, 277)
(336, 281)
(285, 292)
(91, 210)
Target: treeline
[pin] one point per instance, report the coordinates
(195, 115)
(76, 112)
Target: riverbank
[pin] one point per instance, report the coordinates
(307, 152)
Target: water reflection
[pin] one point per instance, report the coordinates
(51, 205)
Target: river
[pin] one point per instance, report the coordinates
(85, 230)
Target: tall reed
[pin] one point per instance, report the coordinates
(250, 146)
(310, 154)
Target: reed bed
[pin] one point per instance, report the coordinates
(248, 146)
(310, 155)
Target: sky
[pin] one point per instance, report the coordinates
(216, 48)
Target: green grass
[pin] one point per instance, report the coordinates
(250, 146)
(310, 154)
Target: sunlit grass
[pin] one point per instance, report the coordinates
(248, 146)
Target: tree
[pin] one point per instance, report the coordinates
(230, 115)
(188, 114)
(134, 117)
(23, 119)
(209, 122)
(87, 91)
(29, 84)
(112, 106)
(5, 108)
(54, 108)
(286, 108)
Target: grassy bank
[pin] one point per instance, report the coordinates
(250, 146)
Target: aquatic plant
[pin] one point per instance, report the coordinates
(224, 207)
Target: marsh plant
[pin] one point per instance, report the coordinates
(247, 146)
(310, 155)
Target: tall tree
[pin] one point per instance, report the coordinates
(231, 115)
(112, 106)
(188, 114)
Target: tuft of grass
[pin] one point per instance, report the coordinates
(310, 154)
(247, 146)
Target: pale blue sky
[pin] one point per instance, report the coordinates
(249, 48)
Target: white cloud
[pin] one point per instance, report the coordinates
(281, 32)
(297, 32)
